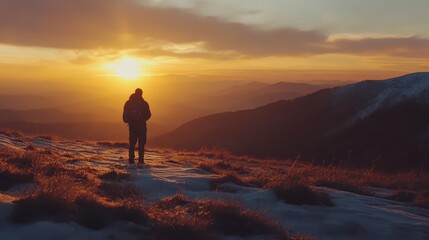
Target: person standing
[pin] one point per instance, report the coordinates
(136, 113)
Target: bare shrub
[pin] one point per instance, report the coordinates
(171, 202)
(85, 210)
(231, 218)
(115, 191)
(92, 213)
(181, 218)
(24, 161)
(230, 177)
(300, 194)
(115, 175)
(9, 179)
(40, 207)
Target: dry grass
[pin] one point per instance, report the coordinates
(10, 178)
(113, 144)
(65, 196)
(49, 137)
(95, 199)
(300, 194)
(68, 193)
(85, 210)
(222, 166)
(115, 191)
(115, 175)
(11, 133)
(182, 218)
(268, 173)
(291, 187)
(24, 161)
(15, 170)
(228, 178)
(217, 154)
(175, 222)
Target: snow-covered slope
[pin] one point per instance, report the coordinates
(324, 125)
(352, 217)
(386, 93)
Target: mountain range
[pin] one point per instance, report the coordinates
(172, 103)
(377, 123)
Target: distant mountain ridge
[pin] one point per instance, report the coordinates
(44, 115)
(256, 94)
(370, 122)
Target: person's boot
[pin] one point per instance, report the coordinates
(141, 154)
(131, 156)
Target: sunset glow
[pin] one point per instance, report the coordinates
(271, 40)
(126, 68)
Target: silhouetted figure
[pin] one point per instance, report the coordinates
(136, 113)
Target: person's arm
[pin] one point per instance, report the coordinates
(148, 114)
(124, 117)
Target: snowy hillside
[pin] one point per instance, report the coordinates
(352, 216)
(386, 93)
(383, 121)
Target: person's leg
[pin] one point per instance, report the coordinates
(133, 141)
(142, 143)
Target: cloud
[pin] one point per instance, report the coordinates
(127, 24)
(80, 24)
(391, 46)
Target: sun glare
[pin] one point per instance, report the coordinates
(126, 68)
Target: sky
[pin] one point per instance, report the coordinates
(264, 40)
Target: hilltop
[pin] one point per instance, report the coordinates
(52, 188)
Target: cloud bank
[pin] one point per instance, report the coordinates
(128, 24)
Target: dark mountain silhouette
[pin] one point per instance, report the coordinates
(195, 100)
(71, 130)
(385, 123)
(78, 130)
(44, 115)
(21, 101)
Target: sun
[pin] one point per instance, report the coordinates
(126, 68)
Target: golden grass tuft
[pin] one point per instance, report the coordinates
(11, 133)
(67, 193)
(181, 218)
(227, 178)
(115, 175)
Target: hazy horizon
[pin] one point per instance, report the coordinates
(133, 42)
(88, 56)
